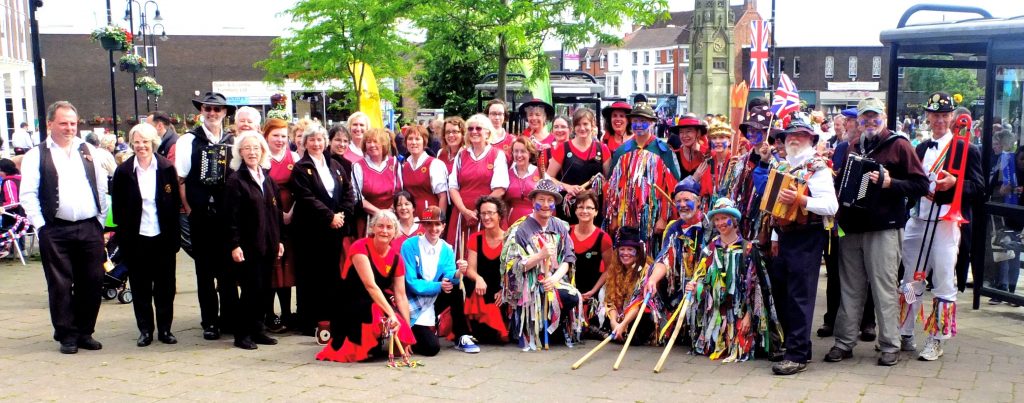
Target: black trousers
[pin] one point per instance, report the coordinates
(317, 277)
(963, 257)
(73, 256)
(213, 271)
(427, 342)
(832, 288)
(794, 276)
(253, 276)
(151, 271)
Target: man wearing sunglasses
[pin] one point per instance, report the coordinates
(644, 170)
(207, 223)
(866, 253)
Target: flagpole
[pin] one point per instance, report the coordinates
(771, 59)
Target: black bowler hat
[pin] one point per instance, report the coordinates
(939, 102)
(215, 99)
(537, 102)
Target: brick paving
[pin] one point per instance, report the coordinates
(984, 363)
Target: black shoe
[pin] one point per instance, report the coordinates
(245, 343)
(145, 339)
(825, 331)
(787, 367)
(89, 343)
(68, 347)
(167, 338)
(260, 338)
(868, 334)
(211, 333)
(837, 354)
(888, 359)
(275, 325)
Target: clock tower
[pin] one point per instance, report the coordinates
(711, 57)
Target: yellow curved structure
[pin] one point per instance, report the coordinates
(369, 96)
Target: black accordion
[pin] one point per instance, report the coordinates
(856, 188)
(213, 169)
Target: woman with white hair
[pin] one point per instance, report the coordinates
(371, 293)
(145, 204)
(479, 169)
(252, 203)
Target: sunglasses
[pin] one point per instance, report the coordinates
(208, 108)
(876, 121)
(474, 129)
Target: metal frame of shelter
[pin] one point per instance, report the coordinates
(985, 43)
(567, 88)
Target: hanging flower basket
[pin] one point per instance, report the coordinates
(112, 37)
(132, 63)
(149, 84)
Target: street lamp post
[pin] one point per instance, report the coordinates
(143, 25)
(163, 38)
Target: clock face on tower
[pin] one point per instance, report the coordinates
(719, 44)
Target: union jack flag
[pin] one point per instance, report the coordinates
(759, 38)
(787, 98)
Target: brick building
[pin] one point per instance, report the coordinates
(17, 78)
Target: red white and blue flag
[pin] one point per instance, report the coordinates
(759, 38)
(787, 97)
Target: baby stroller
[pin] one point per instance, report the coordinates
(115, 280)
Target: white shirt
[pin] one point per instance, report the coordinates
(149, 225)
(106, 160)
(430, 255)
(324, 170)
(74, 193)
(498, 180)
(258, 177)
(357, 172)
(21, 139)
(438, 172)
(358, 151)
(822, 200)
(931, 155)
(183, 151)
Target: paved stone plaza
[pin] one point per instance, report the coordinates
(984, 363)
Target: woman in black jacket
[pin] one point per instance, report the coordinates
(322, 190)
(255, 219)
(145, 205)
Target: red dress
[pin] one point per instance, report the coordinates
(474, 179)
(378, 187)
(417, 182)
(357, 322)
(283, 275)
(447, 157)
(518, 195)
(482, 310)
(505, 145)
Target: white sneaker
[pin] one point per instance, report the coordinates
(467, 344)
(907, 343)
(932, 350)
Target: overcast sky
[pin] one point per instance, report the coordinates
(799, 22)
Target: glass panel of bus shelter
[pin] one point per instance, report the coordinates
(1004, 248)
(967, 86)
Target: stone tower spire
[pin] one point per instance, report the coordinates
(711, 57)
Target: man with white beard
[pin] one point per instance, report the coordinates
(794, 272)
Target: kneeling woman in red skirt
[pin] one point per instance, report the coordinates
(371, 290)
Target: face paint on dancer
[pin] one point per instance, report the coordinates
(540, 201)
(627, 255)
(755, 136)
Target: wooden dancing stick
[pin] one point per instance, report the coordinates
(680, 314)
(632, 330)
(594, 350)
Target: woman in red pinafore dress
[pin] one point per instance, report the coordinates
(454, 133)
(522, 178)
(376, 176)
(407, 225)
(425, 177)
(479, 170)
(282, 161)
(483, 274)
(497, 110)
(371, 297)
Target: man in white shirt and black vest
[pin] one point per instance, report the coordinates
(66, 203)
(203, 175)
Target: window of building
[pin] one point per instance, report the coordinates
(600, 62)
(657, 56)
(665, 82)
(698, 65)
(647, 80)
(718, 63)
(149, 53)
(686, 54)
(588, 63)
(615, 59)
(612, 85)
(796, 66)
(670, 56)
(647, 57)
(830, 66)
(636, 59)
(876, 67)
(636, 86)
(853, 68)
(782, 64)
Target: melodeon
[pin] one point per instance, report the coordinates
(777, 182)
(855, 188)
(214, 164)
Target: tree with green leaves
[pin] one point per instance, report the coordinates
(518, 28)
(336, 34)
(453, 60)
(952, 81)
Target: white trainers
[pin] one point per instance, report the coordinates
(932, 350)
(907, 343)
(467, 344)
